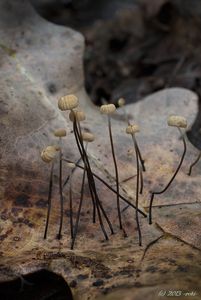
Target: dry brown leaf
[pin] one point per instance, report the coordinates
(39, 63)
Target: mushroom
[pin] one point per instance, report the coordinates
(109, 109)
(70, 102)
(48, 155)
(121, 103)
(132, 129)
(178, 122)
(60, 133)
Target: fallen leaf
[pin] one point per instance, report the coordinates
(40, 62)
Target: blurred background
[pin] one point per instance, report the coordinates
(134, 47)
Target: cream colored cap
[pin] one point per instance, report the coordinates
(177, 121)
(68, 102)
(121, 102)
(49, 153)
(132, 129)
(60, 132)
(107, 109)
(88, 137)
(78, 114)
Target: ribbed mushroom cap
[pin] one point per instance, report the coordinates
(107, 109)
(132, 129)
(60, 132)
(78, 114)
(68, 102)
(177, 121)
(88, 137)
(49, 153)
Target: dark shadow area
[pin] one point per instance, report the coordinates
(42, 285)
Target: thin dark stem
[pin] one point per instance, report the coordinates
(49, 200)
(90, 177)
(92, 184)
(109, 187)
(138, 149)
(116, 171)
(137, 191)
(71, 206)
(140, 157)
(72, 171)
(194, 163)
(84, 151)
(79, 210)
(171, 180)
(141, 182)
(61, 195)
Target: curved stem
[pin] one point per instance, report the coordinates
(137, 147)
(116, 171)
(49, 200)
(141, 182)
(73, 170)
(109, 187)
(171, 180)
(194, 163)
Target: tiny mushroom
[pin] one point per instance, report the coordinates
(121, 102)
(109, 109)
(132, 129)
(48, 154)
(88, 136)
(178, 122)
(60, 132)
(78, 115)
(68, 102)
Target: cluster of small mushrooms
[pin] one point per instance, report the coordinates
(50, 153)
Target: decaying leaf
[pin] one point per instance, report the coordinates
(39, 63)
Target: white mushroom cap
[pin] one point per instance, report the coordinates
(78, 114)
(107, 109)
(132, 129)
(49, 153)
(177, 121)
(68, 102)
(88, 137)
(60, 132)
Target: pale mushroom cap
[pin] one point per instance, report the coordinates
(71, 165)
(60, 132)
(121, 102)
(79, 115)
(177, 121)
(88, 137)
(132, 129)
(107, 109)
(49, 153)
(68, 102)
